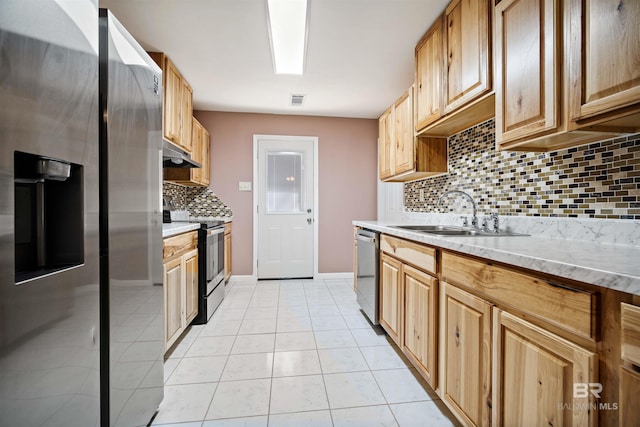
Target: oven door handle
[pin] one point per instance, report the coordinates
(215, 231)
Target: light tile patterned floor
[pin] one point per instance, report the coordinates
(293, 353)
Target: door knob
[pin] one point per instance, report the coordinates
(308, 210)
(308, 220)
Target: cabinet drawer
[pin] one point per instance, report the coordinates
(572, 309)
(175, 245)
(421, 256)
(630, 320)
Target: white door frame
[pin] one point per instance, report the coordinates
(316, 203)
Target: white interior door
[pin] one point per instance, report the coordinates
(285, 208)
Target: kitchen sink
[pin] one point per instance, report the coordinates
(454, 230)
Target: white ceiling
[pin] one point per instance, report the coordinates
(360, 53)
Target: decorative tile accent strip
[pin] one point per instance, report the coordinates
(199, 201)
(597, 180)
(202, 202)
(178, 194)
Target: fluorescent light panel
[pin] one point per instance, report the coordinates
(288, 30)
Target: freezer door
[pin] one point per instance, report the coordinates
(134, 145)
(49, 295)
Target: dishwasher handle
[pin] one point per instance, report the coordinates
(366, 239)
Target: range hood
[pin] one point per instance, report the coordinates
(174, 157)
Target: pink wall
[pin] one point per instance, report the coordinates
(347, 161)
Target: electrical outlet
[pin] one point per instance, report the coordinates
(244, 186)
(422, 194)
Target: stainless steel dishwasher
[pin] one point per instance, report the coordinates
(367, 275)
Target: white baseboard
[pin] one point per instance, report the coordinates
(320, 276)
(243, 278)
(328, 276)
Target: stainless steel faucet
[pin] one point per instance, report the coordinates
(474, 219)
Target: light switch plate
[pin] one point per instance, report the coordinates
(244, 186)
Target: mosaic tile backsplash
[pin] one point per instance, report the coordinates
(199, 201)
(597, 180)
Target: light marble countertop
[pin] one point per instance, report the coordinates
(173, 228)
(609, 265)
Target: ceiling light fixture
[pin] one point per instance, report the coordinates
(287, 20)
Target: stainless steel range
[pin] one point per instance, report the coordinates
(210, 269)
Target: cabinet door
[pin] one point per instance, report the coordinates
(604, 47)
(467, 74)
(465, 354)
(196, 154)
(186, 117)
(535, 375)
(191, 285)
(629, 392)
(227, 255)
(390, 296)
(404, 160)
(173, 280)
(429, 55)
(630, 374)
(385, 144)
(528, 59)
(172, 102)
(420, 302)
(355, 260)
(206, 157)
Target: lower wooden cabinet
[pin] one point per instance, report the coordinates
(506, 347)
(180, 285)
(173, 273)
(465, 355)
(630, 368)
(420, 308)
(191, 285)
(535, 374)
(227, 251)
(390, 296)
(629, 392)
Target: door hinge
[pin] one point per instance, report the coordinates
(257, 209)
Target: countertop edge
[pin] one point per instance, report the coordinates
(175, 228)
(604, 275)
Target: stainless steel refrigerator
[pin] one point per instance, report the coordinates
(81, 301)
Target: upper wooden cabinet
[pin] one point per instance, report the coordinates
(197, 153)
(429, 57)
(558, 85)
(403, 134)
(403, 156)
(604, 69)
(186, 117)
(200, 153)
(177, 103)
(385, 143)
(467, 52)
(205, 140)
(172, 84)
(453, 70)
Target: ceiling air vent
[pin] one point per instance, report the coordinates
(297, 100)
